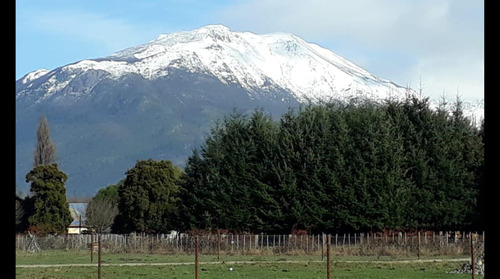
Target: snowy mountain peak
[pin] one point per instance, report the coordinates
(253, 61)
(215, 30)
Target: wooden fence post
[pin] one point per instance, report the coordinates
(279, 243)
(322, 244)
(92, 247)
(218, 245)
(328, 258)
(99, 253)
(196, 269)
(418, 247)
(472, 260)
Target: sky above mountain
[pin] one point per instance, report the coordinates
(439, 43)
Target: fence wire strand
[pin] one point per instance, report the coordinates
(434, 243)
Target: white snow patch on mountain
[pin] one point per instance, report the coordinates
(34, 75)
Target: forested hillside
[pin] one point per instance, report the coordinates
(361, 165)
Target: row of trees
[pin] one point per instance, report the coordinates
(331, 167)
(338, 167)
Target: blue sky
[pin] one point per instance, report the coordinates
(438, 43)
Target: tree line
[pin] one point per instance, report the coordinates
(331, 167)
(352, 166)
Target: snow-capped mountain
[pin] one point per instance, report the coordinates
(160, 99)
(254, 61)
(258, 63)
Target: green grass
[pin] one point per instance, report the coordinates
(265, 266)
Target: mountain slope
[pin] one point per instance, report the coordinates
(101, 134)
(159, 99)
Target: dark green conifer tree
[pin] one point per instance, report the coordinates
(50, 210)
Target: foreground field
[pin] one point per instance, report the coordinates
(76, 264)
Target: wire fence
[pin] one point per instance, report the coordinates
(428, 243)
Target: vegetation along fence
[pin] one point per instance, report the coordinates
(429, 243)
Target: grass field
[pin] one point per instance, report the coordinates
(140, 265)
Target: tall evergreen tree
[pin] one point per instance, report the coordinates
(229, 180)
(195, 197)
(266, 211)
(50, 210)
(45, 149)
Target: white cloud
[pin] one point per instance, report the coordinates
(440, 41)
(366, 21)
(450, 75)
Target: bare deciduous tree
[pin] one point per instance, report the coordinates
(100, 214)
(45, 150)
